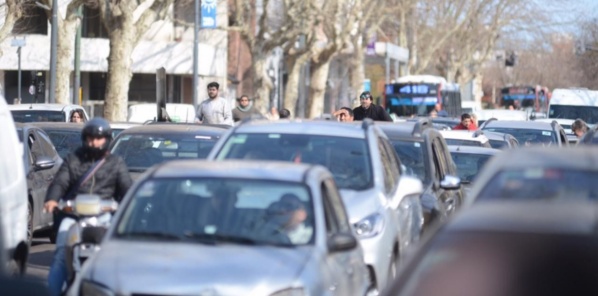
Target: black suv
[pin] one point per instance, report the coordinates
(424, 154)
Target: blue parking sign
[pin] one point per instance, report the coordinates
(208, 13)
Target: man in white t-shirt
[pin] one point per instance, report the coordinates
(215, 109)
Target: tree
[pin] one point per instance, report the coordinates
(126, 22)
(10, 12)
(265, 27)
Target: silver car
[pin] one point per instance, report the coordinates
(231, 228)
(383, 205)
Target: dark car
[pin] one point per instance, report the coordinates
(144, 146)
(65, 136)
(424, 153)
(514, 249)
(539, 173)
(41, 165)
(529, 133)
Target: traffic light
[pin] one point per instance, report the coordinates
(510, 58)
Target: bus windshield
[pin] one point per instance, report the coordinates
(588, 113)
(406, 99)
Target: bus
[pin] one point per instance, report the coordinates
(525, 97)
(416, 95)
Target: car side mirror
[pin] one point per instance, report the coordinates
(44, 163)
(408, 185)
(450, 182)
(339, 242)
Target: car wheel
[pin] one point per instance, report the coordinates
(29, 223)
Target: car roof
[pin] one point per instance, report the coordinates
(473, 150)
(534, 125)
(574, 157)
(309, 127)
(67, 126)
(161, 129)
(577, 217)
(497, 135)
(259, 170)
(47, 107)
(464, 135)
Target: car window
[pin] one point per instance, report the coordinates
(528, 137)
(261, 211)
(65, 141)
(389, 179)
(498, 144)
(440, 158)
(348, 159)
(395, 162)
(336, 205)
(457, 142)
(37, 116)
(551, 184)
(46, 144)
(141, 151)
(34, 147)
(411, 155)
(469, 164)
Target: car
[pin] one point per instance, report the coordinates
(220, 230)
(141, 113)
(65, 136)
(41, 161)
(146, 145)
(45, 112)
(423, 153)
(500, 249)
(564, 123)
(545, 173)
(465, 138)
(118, 127)
(501, 114)
(470, 161)
(14, 206)
(500, 140)
(382, 203)
(529, 132)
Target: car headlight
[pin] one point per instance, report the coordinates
(94, 289)
(290, 292)
(369, 226)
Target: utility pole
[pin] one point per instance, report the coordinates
(53, 45)
(195, 57)
(77, 78)
(19, 43)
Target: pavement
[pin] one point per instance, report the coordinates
(40, 258)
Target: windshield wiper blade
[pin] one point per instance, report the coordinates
(150, 234)
(214, 238)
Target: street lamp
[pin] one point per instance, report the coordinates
(53, 45)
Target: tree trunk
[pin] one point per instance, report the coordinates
(357, 73)
(119, 73)
(317, 88)
(261, 82)
(64, 59)
(12, 13)
(291, 93)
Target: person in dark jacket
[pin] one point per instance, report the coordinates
(89, 169)
(369, 110)
(245, 110)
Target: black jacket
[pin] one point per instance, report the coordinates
(374, 112)
(111, 180)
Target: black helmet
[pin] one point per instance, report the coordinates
(96, 128)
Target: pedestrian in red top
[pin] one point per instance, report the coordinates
(466, 123)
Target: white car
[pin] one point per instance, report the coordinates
(13, 194)
(465, 138)
(501, 114)
(45, 112)
(142, 113)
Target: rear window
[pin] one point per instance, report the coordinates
(551, 184)
(528, 137)
(37, 116)
(456, 142)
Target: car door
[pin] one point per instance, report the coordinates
(48, 175)
(344, 266)
(447, 197)
(37, 185)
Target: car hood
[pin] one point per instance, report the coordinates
(180, 268)
(361, 204)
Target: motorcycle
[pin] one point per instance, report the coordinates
(92, 215)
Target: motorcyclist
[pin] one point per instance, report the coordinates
(107, 176)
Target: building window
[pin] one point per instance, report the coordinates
(92, 24)
(34, 21)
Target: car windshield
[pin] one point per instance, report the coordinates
(498, 144)
(588, 113)
(552, 184)
(37, 115)
(458, 142)
(347, 158)
(469, 165)
(528, 137)
(141, 151)
(216, 210)
(411, 154)
(64, 141)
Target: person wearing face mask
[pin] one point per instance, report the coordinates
(245, 109)
(369, 110)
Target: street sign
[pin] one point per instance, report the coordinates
(208, 14)
(18, 42)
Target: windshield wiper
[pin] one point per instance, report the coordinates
(150, 234)
(214, 238)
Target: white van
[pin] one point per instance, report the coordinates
(13, 193)
(141, 113)
(574, 103)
